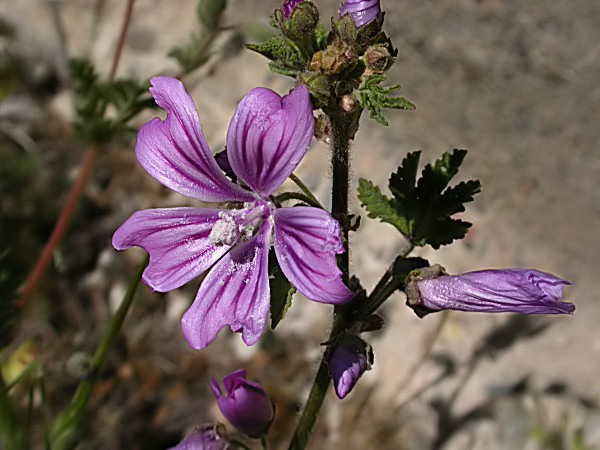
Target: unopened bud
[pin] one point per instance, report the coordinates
(298, 19)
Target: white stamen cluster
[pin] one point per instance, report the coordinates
(225, 231)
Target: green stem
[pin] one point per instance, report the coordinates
(66, 428)
(296, 196)
(305, 189)
(13, 435)
(340, 124)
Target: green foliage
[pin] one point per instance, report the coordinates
(210, 11)
(197, 51)
(286, 57)
(372, 96)
(95, 99)
(422, 209)
(192, 55)
(282, 292)
(8, 299)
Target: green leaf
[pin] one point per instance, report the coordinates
(422, 209)
(192, 55)
(282, 292)
(378, 205)
(372, 96)
(209, 12)
(282, 51)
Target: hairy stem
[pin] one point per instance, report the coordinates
(340, 125)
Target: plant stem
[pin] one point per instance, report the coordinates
(340, 167)
(121, 42)
(59, 228)
(305, 189)
(75, 193)
(340, 123)
(65, 429)
(13, 435)
(296, 196)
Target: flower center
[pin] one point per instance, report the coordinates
(237, 224)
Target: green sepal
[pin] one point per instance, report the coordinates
(372, 96)
(282, 292)
(422, 209)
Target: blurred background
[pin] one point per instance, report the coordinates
(515, 83)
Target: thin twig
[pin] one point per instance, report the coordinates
(59, 228)
(121, 42)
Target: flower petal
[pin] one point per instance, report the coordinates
(235, 292)
(177, 240)
(268, 136)
(306, 242)
(174, 151)
(524, 291)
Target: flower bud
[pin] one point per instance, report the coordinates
(298, 19)
(335, 59)
(246, 404)
(378, 58)
(525, 291)
(206, 437)
(362, 11)
(348, 358)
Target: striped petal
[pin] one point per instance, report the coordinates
(175, 152)
(306, 242)
(268, 136)
(235, 292)
(177, 240)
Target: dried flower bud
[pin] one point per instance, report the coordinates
(336, 59)
(362, 11)
(246, 404)
(348, 358)
(524, 291)
(378, 58)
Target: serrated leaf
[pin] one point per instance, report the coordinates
(378, 205)
(422, 209)
(282, 51)
(372, 96)
(282, 292)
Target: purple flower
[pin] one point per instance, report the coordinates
(203, 438)
(246, 404)
(288, 7)
(362, 11)
(267, 138)
(524, 291)
(348, 359)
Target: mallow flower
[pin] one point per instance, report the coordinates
(267, 138)
(207, 437)
(362, 11)
(348, 358)
(245, 404)
(525, 291)
(288, 7)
